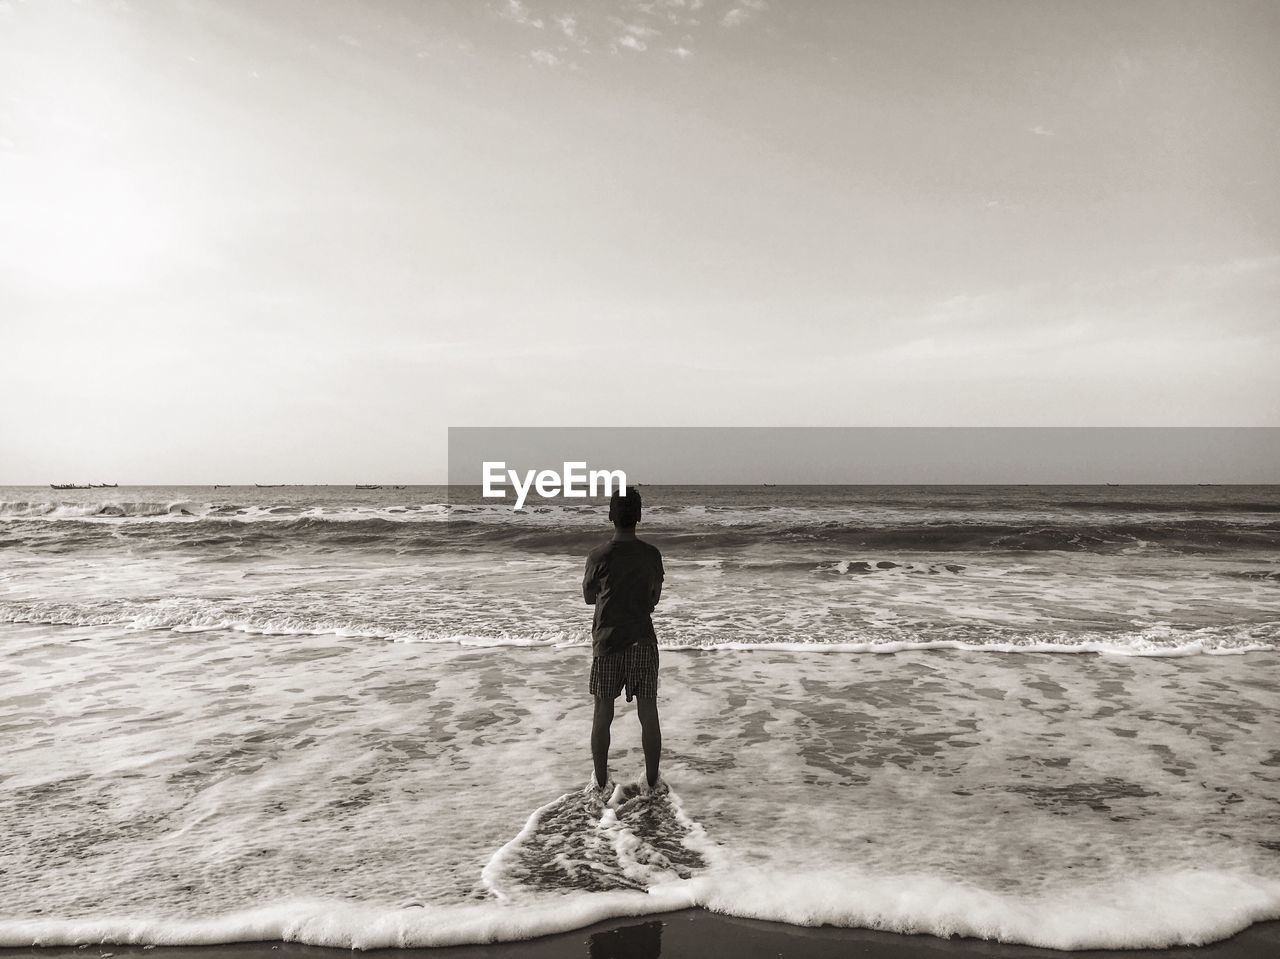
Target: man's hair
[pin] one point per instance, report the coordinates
(624, 508)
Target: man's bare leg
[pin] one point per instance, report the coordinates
(600, 724)
(650, 736)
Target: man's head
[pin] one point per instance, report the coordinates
(624, 509)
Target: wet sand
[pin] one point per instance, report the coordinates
(693, 933)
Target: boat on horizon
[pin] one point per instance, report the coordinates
(367, 486)
(69, 486)
(103, 485)
(268, 485)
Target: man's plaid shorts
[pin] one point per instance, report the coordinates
(634, 668)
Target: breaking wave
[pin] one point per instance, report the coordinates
(408, 529)
(195, 615)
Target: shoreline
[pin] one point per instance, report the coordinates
(688, 932)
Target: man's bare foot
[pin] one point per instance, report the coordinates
(597, 792)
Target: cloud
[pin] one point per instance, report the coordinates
(1041, 130)
(517, 12)
(1226, 272)
(639, 30)
(670, 26)
(745, 10)
(1203, 303)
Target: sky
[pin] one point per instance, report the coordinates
(278, 241)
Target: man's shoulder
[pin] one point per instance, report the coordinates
(650, 548)
(601, 551)
(651, 553)
(609, 546)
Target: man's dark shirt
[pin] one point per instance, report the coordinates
(622, 577)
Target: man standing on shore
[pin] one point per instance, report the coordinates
(624, 582)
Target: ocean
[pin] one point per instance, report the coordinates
(1044, 715)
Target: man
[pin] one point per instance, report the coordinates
(624, 582)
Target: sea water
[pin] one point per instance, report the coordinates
(360, 718)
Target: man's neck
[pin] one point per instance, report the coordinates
(624, 534)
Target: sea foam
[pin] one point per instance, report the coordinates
(1144, 912)
(1052, 801)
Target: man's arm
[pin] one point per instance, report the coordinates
(655, 588)
(590, 584)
